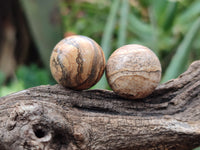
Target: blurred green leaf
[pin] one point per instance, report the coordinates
(124, 11)
(45, 25)
(179, 60)
(138, 27)
(158, 8)
(170, 15)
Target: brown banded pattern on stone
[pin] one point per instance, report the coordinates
(77, 62)
(133, 71)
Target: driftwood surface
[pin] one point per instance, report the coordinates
(54, 118)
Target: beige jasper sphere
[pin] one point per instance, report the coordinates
(77, 62)
(133, 71)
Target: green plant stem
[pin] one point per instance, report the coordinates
(170, 15)
(124, 11)
(109, 28)
(107, 39)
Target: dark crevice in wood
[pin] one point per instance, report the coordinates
(97, 110)
(39, 131)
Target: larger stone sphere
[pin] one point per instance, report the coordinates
(77, 62)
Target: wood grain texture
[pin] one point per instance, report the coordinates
(56, 118)
(77, 62)
(133, 71)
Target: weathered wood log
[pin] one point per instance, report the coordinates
(52, 117)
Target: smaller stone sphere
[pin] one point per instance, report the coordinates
(133, 71)
(77, 62)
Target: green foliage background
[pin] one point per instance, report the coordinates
(169, 28)
(26, 77)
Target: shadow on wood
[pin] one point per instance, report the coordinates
(52, 117)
